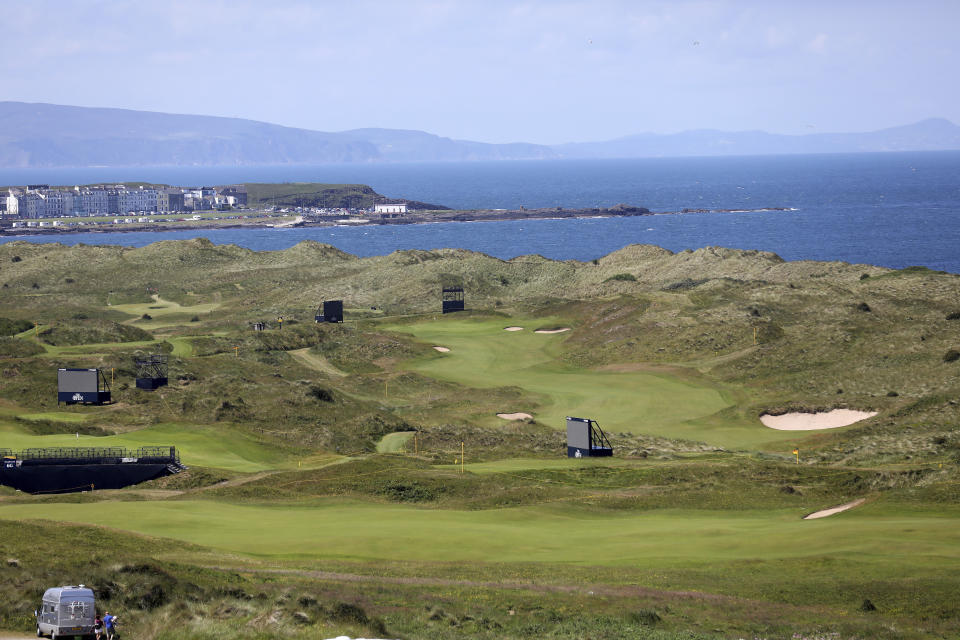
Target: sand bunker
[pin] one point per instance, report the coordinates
(552, 330)
(442, 349)
(513, 328)
(812, 421)
(833, 510)
(515, 416)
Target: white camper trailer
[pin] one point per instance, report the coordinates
(66, 611)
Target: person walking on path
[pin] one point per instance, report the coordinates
(97, 627)
(110, 623)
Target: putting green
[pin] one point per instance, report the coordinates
(553, 534)
(205, 446)
(658, 402)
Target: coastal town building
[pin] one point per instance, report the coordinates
(170, 200)
(400, 207)
(40, 201)
(8, 204)
(236, 191)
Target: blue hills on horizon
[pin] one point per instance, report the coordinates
(40, 135)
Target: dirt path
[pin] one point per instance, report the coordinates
(316, 362)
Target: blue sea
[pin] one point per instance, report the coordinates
(888, 209)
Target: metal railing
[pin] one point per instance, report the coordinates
(94, 455)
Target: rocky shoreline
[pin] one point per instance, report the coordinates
(411, 217)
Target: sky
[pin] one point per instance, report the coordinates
(544, 71)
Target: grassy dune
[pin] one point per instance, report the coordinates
(305, 512)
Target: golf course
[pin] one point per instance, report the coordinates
(404, 474)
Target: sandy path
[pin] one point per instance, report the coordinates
(813, 421)
(513, 328)
(552, 330)
(515, 416)
(442, 349)
(833, 510)
(316, 362)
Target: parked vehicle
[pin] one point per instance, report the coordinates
(66, 611)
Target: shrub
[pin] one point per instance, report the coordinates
(868, 606)
(863, 306)
(646, 617)
(10, 327)
(146, 316)
(16, 259)
(14, 348)
(321, 394)
(347, 612)
(626, 277)
(195, 319)
(955, 315)
(408, 492)
(951, 356)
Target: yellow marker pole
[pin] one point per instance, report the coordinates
(796, 452)
(111, 376)
(299, 463)
(36, 329)
(461, 457)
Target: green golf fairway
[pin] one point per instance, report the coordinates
(562, 533)
(483, 355)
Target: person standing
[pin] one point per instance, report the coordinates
(110, 623)
(97, 627)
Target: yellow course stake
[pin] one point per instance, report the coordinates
(461, 457)
(796, 452)
(236, 351)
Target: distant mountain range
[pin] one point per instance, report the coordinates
(47, 135)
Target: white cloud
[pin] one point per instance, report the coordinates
(818, 44)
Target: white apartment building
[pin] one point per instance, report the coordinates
(136, 200)
(94, 201)
(390, 208)
(11, 207)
